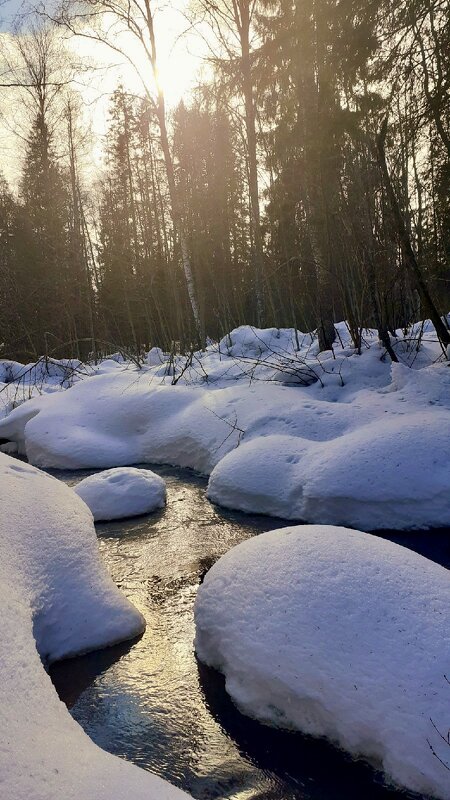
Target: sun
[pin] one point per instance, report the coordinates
(177, 68)
(179, 57)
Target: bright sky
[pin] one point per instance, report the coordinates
(179, 56)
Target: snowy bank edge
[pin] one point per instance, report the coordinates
(332, 433)
(58, 601)
(238, 633)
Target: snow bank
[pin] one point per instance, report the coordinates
(115, 420)
(41, 371)
(57, 601)
(122, 492)
(393, 472)
(365, 445)
(338, 634)
(249, 342)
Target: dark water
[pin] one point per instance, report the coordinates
(152, 703)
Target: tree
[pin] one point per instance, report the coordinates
(209, 170)
(233, 24)
(51, 280)
(136, 19)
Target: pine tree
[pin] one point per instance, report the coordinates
(44, 245)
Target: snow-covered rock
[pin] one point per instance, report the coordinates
(44, 370)
(338, 634)
(11, 370)
(122, 492)
(120, 419)
(56, 601)
(110, 364)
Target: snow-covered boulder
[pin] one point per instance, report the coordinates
(52, 370)
(110, 364)
(122, 492)
(119, 358)
(56, 601)
(338, 634)
(40, 371)
(119, 419)
(11, 370)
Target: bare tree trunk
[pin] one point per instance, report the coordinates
(242, 17)
(325, 326)
(175, 210)
(312, 115)
(436, 98)
(79, 247)
(409, 256)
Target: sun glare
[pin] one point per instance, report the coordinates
(178, 55)
(179, 62)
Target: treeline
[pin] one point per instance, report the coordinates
(306, 181)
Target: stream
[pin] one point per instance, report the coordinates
(153, 703)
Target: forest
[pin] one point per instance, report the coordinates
(304, 180)
(224, 400)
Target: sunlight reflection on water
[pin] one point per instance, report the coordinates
(152, 703)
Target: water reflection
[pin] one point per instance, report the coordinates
(315, 767)
(152, 703)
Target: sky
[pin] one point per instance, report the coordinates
(8, 10)
(180, 56)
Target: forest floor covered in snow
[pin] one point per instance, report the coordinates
(340, 438)
(337, 437)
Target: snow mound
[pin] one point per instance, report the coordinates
(122, 492)
(117, 419)
(41, 371)
(155, 357)
(249, 342)
(57, 601)
(338, 634)
(335, 438)
(390, 474)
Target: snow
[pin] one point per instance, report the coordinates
(339, 634)
(394, 473)
(249, 342)
(335, 632)
(122, 492)
(155, 357)
(281, 429)
(57, 601)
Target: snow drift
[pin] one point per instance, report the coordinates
(366, 444)
(391, 473)
(338, 634)
(57, 601)
(122, 492)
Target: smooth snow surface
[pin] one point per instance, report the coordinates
(56, 601)
(283, 430)
(122, 492)
(339, 634)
